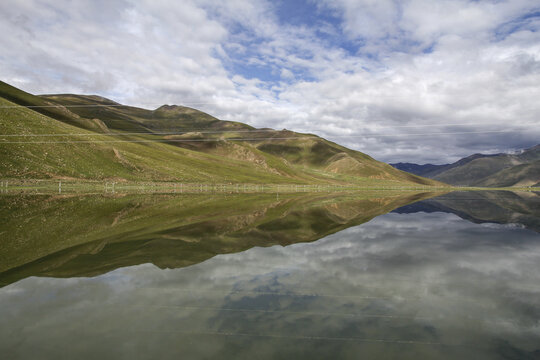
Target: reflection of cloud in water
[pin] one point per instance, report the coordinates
(403, 285)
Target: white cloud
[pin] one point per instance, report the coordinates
(445, 62)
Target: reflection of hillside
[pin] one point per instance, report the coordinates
(501, 207)
(65, 236)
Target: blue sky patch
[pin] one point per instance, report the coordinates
(530, 22)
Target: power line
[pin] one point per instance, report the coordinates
(247, 139)
(202, 103)
(209, 102)
(149, 141)
(96, 105)
(309, 313)
(152, 120)
(296, 337)
(142, 133)
(205, 131)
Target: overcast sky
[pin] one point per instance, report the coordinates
(369, 74)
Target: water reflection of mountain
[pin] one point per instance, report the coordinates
(501, 207)
(402, 286)
(67, 236)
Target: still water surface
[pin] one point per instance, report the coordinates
(259, 276)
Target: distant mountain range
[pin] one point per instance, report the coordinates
(90, 137)
(497, 170)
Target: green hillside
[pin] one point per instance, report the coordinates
(496, 170)
(45, 107)
(90, 137)
(519, 175)
(61, 157)
(499, 170)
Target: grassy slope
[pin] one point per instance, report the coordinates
(519, 175)
(313, 155)
(496, 170)
(475, 170)
(324, 155)
(96, 234)
(48, 108)
(132, 161)
(128, 118)
(293, 157)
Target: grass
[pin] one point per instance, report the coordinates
(45, 107)
(68, 186)
(129, 161)
(293, 158)
(498, 170)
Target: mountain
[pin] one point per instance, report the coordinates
(94, 138)
(496, 170)
(431, 170)
(500, 207)
(97, 234)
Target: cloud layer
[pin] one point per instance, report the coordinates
(378, 76)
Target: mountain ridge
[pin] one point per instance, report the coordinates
(91, 137)
(485, 170)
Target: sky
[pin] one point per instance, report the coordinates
(425, 81)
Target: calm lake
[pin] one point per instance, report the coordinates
(374, 275)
